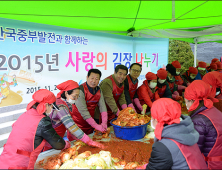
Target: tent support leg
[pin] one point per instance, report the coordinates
(195, 52)
(173, 11)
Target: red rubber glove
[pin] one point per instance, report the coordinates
(181, 87)
(131, 105)
(90, 142)
(137, 103)
(93, 123)
(68, 145)
(104, 116)
(117, 113)
(124, 106)
(142, 167)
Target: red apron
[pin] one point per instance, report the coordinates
(61, 129)
(171, 86)
(161, 91)
(91, 103)
(214, 158)
(192, 155)
(116, 94)
(19, 152)
(132, 87)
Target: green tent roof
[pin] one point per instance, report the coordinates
(118, 16)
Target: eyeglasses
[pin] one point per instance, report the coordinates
(136, 71)
(74, 97)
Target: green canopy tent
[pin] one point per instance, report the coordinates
(191, 21)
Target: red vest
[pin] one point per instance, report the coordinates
(91, 103)
(178, 80)
(192, 155)
(171, 86)
(161, 90)
(214, 158)
(117, 91)
(132, 87)
(19, 152)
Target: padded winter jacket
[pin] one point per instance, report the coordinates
(206, 130)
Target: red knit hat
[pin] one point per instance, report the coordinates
(176, 64)
(42, 97)
(214, 60)
(213, 66)
(219, 65)
(202, 64)
(198, 90)
(193, 70)
(162, 73)
(165, 111)
(151, 76)
(66, 86)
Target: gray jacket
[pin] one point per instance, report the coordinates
(165, 153)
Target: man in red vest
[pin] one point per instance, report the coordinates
(207, 122)
(130, 86)
(175, 143)
(89, 98)
(30, 133)
(113, 91)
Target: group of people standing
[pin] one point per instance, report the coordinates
(80, 110)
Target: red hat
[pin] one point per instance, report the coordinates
(165, 111)
(193, 70)
(213, 66)
(162, 73)
(42, 97)
(66, 86)
(151, 76)
(219, 65)
(202, 64)
(176, 64)
(214, 60)
(198, 90)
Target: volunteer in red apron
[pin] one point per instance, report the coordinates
(89, 98)
(148, 91)
(113, 91)
(175, 143)
(215, 81)
(163, 86)
(189, 75)
(201, 70)
(171, 72)
(207, 121)
(212, 67)
(219, 67)
(30, 132)
(62, 120)
(178, 79)
(130, 87)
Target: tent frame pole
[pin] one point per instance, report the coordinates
(195, 52)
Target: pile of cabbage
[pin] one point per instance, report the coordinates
(103, 160)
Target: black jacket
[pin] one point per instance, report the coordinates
(167, 93)
(47, 132)
(160, 157)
